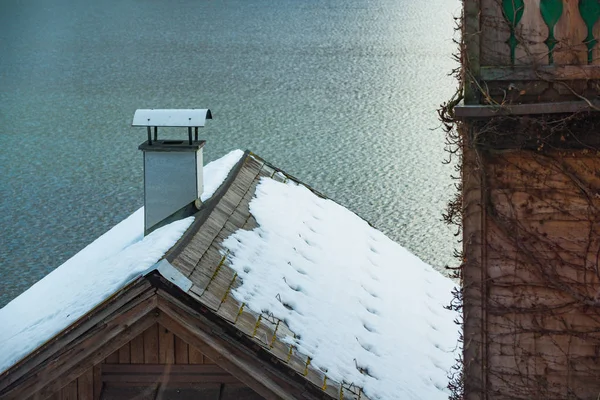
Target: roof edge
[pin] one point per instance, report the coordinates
(48, 349)
(232, 335)
(292, 177)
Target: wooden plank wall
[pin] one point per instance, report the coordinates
(473, 270)
(543, 275)
(157, 346)
(148, 351)
(86, 387)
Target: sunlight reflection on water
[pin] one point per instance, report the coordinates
(341, 94)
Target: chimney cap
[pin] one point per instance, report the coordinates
(171, 118)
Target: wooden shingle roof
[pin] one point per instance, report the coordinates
(200, 257)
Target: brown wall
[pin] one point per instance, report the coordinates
(156, 365)
(157, 346)
(532, 294)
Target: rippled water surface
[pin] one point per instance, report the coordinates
(340, 93)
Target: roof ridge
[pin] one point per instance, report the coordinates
(290, 176)
(309, 187)
(205, 210)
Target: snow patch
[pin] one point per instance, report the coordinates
(84, 281)
(216, 172)
(363, 308)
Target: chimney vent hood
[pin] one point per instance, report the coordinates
(173, 172)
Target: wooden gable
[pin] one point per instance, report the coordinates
(150, 341)
(156, 364)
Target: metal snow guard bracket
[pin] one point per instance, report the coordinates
(171, 118)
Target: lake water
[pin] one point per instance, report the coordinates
(340, 93)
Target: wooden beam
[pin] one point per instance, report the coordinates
(229, 354)
(89, 349)
(474, 291)
(540, 73)
(188, 369)
(169, 378)
(487, 111)
(170, 373)
(86, 322)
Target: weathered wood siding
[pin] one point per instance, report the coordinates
(529, 51)
(531, 197)
(157, 345)
(532, 291)
(86, 387)
(156, 365)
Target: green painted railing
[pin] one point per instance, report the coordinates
(590, 12)
(513, 12)
(551, 12)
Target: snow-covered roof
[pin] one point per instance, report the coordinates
(364, 309)
(320, 289)
(92, 275)
(310, 282)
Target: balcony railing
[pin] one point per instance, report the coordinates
(543, 32)
(532, 51)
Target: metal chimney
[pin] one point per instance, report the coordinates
(172, 168)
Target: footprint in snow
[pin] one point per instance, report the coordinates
(370, 292)
(370, 328)
(368, 347)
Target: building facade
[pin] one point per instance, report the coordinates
(528, 131)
